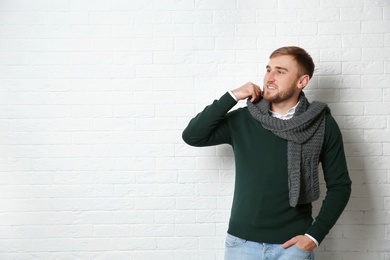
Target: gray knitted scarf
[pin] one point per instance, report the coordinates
(305, 134)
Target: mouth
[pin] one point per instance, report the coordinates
(270, 87)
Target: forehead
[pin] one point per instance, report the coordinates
(284, 61)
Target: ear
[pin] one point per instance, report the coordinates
(303, 81)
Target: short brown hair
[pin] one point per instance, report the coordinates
(304, 60)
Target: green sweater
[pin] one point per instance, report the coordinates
(261, 211)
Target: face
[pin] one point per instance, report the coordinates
(281, 81)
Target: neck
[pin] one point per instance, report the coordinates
(283, 107)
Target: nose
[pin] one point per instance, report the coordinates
(269, 77)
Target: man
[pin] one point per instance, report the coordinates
(278, 140)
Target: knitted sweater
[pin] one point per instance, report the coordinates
(261, 211)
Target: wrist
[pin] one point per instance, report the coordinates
(233, 95)
(313, 239)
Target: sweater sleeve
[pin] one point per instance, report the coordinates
(338, 183)
(210, 126)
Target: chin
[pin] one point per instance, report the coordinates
(268, 98)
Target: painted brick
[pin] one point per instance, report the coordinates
(255, 30)
(376, 26)
(339, 28)
(362, 13)
(143, 18)
(376, 54)
(228, 43)
(194, 43)
(174, 5)
(223, 30)
(346, 3)
(95, 95)
(88, 5)
(66, 18)
(217, 4)
(121, 5)
(323, 14)
(193, 17)
(234, 16)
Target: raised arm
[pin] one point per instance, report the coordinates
(210, 127)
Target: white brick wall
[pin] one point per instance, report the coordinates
(94, 95)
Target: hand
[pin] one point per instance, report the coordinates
(303, 242)
(248, 90)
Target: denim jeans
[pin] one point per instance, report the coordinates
(241, 249)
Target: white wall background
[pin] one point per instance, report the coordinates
(94, 96)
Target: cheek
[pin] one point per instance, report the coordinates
(266, 78)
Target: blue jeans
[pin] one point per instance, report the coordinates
(241, 249)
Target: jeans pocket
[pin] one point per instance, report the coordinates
(303, 254)
(233, 241)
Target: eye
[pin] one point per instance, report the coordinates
(280, 72)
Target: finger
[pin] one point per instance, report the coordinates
(290, 242)
(254, 96)
(257, 95)
(258, 91)
(256, 86)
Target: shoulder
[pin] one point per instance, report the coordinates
(330, 123)
(239, 117)
(238, 113)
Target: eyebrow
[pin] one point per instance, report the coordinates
(277, 67)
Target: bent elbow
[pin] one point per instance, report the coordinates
(188, 139)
